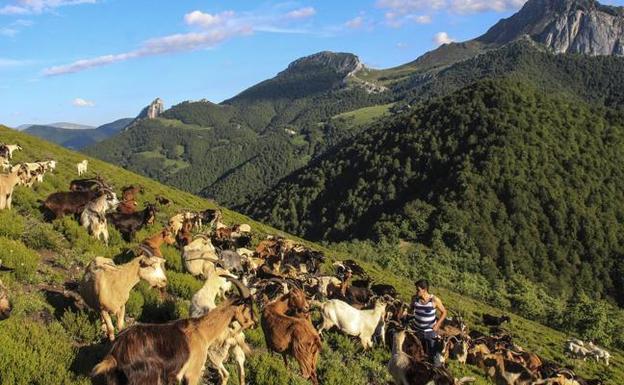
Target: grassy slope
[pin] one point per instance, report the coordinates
(39, 333)
(364, 116)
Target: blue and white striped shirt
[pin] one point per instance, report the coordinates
(424, 314)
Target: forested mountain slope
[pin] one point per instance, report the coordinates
(47, 341)
(530, 182)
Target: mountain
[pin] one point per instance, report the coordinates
(237, 149)
(47, 259)
(526, 180)
(565, 26)
(71, 136)
(63, 125)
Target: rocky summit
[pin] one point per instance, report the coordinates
(565, 26)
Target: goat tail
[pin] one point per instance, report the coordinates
(108, 364)
(465, 380)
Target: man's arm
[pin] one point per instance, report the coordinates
(438, 305)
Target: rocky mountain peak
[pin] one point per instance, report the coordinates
(565, 26)
(340, 62)
(152, 111)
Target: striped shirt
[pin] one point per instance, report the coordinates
(424, 314)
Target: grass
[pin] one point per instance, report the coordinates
(44, 332)
(366, 115)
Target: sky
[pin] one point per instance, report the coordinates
(95, 61)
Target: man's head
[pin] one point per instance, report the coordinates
(422, 287)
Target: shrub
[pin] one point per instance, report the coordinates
(82, 327)
(134, 306)
(18, 257)
(34, 353)
(182, 285)
(173, 257)
(12, 224)
(43, 236)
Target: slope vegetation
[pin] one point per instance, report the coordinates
(527, 182)
(46, 341)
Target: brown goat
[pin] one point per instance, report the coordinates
(174, 352)
(127, 206)
(155, 241)
(288, 330)
(5, 303)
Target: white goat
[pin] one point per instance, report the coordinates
(11, 148)
(352, 321)
(215, 287)
(82, 167)
(598, 353)
(93, 218)
(198, 256)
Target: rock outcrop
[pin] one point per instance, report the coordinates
(565, 26)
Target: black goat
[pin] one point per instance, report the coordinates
(491, 320)
(129, 224)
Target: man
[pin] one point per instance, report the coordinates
(424, 307)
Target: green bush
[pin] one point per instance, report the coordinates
(12, 224)
(35, 353)
(134, 306)
(43, 236)
(182, 285)
(18, 257)
(82, 327)
(173, 257)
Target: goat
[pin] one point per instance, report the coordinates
(185, 236)
(491, 320)
(96, 183)
(286, 334)
(198, 256)
(154, 242)
(506, 371)
(82, 166)
(58, 204)
(5, 303)
(93, 217)
(233, 342)
(173, 352)
(106, 287)
(11, 148)
(407, 371)
(598, 353)
(131, 192)
(7, 185)
(215, 286)
(127, 207)
(129, 224)
(354, 322)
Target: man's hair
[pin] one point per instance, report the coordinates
(422, 284)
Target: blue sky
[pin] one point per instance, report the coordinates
(93, 61)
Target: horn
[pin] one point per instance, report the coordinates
(294, 283)
(243, 291)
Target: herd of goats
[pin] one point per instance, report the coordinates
(279, 278)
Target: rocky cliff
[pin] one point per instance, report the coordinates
(565, 26)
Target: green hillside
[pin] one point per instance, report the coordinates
(526, 183)
(42, 331)
(236, 150)
(76, 139)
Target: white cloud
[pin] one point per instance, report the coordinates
(476, 6)
(402, 45)
(15, 27)
(355, 23)
(441, 38)
(456, 6)
(213, 30)
(207, 20)
(25, 7)
(301, 13)
(80, 102)
(420, 19)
